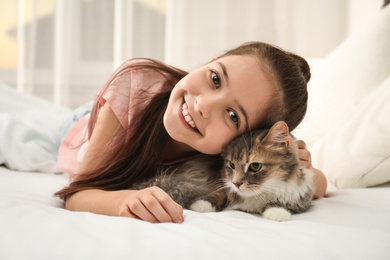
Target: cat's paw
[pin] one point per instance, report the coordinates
(277, 214)
(202, 206)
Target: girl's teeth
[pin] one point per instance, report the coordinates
(187, 117)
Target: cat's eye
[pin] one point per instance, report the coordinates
(255, 167)
(232, 165)
(215, 79)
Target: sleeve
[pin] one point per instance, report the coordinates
(118, 93)
(132, 87)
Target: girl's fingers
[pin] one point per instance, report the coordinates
(179, 209)
(153, 205)
(301, 144)
(304, 154)
(305, 164)
(167, 210)
(136, 209)
(125, 212)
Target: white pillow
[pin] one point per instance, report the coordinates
(348, 75)
(29, 131)
(356, 153)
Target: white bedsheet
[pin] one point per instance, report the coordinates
(348, 224)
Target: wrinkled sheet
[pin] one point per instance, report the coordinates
(348, 224)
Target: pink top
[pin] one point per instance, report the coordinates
(128, 94)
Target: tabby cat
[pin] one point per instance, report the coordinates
(259, 172)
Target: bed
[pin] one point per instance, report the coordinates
(347, 224)
(348, 137)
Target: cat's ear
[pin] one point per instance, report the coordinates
(278, 135)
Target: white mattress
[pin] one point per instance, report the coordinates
(347, 224)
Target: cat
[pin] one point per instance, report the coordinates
(258, 172)
(262, 174)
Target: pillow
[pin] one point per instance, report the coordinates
(29, 131)
(356, 153)
(346, 77)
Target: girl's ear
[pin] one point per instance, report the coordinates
(278, 135)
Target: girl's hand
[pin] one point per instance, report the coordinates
(304, 155)
(319, 179)
(152, 205)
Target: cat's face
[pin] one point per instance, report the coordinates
(255, 162)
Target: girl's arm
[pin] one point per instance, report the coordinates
(319, 180)
(320, 183)
(151, 204)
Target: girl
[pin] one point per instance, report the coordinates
(150, 114)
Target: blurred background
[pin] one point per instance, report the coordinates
(65, 50)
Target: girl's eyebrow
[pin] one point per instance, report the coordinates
(223, 70)
(244, 113)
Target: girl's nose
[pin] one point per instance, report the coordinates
(204, 105)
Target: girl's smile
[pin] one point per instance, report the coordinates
(215, 103)
(186, 116)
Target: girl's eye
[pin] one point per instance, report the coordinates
(232, 165)
(215, 79)
(255, 167)
(234, 117)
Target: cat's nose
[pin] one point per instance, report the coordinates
(237, 184)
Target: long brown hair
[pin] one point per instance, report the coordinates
(139, 156)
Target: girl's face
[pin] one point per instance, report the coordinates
(215, 103)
